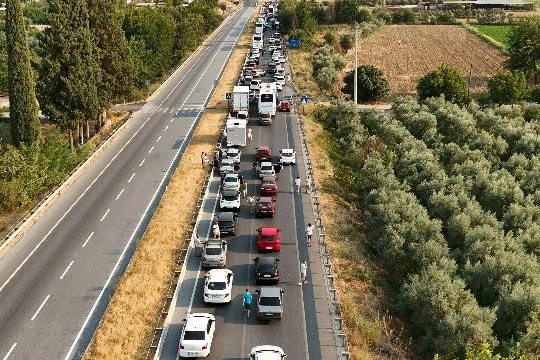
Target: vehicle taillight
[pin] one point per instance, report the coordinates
(276, 273)
(203, 258)
(227, 294)
(205, 346)
(181, 346)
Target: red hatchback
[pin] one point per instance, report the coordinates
(284, 106)
(264, 153)
(269, 186)
(269, 239)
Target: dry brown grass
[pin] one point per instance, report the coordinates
(405, 53)
(127, 327)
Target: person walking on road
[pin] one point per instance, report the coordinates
(198, 246)
(309, 232)
(215, 230)
(249, 134)
(303, 273)
(298, 183)
(255, 167)
(246, 301)
(251, 203)
(243, 189)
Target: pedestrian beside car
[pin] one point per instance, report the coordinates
(247, 298)
(309, 232)
(255, 167)
(215, 230)
(297, 184)
(205, 160)
(308, 185)
(243, 189)
(198, 246)
(288, 77)
(236, 167)
(251, 203)
(202, 158)
(277, 169)
(249, 134)
(303, 273)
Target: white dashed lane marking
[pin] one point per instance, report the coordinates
(40, 307)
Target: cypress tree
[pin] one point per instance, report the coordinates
(23, 107)
(68, 73)
(112, 50)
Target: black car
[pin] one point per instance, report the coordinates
(228, 222)
(266, 269)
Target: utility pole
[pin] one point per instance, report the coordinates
(355, 64)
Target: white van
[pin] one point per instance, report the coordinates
(257, 41)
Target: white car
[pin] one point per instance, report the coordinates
(279, 79)
(267, 352)
(218, 286)
(229, 200)
(279, 87)
(255, 85)
(197, 335)
(234, 154)
(287, 156)
(231, 181)
(266, 169)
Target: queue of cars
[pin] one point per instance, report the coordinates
(198, 331)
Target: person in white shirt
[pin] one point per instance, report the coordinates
(309, 232)
(215, 230)
(249, 134)
(297, 183)
(303, 272)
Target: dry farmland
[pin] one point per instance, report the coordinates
(407, 52)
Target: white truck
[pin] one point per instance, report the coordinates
(240, 102)
(268, 99)
(236, 132)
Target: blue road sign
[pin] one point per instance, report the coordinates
(294, 43)
(304, 99)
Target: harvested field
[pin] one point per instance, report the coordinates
(407, 52)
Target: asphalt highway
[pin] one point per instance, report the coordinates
(55, 281)
(301, 333)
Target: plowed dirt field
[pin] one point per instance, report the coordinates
(407, 52)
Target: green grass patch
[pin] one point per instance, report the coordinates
(498, 33)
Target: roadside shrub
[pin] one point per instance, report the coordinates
(445, 18)
(444, 80)
(371, 84)
(535, 94)
(382, 14)
(507, 87)
(404, 16)
(532, 113)
(346, 42)
(326, 64)
(330, 38)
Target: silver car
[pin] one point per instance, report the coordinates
(266, 169)
(270, 303)
(214, 253)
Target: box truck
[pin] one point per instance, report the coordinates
(236, 132)
(240, 102)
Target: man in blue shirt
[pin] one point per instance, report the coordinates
(247, 298)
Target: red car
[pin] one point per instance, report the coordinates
(264, 153)
(269, 239)
(284, 106)
(265, 206)
(269, 186)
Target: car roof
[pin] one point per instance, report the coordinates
(268, 178)
(230, 192)
(287, 150)
(265, 199)
(270, 291)
(269, 230)
(226, 215)
(227, 161)
(263, 148)
(198, 321)
(218, 274)
(213, 243)
(266, 163)
(233, 150)
(267, 259)
(231, 175)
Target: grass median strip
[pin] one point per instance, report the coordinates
(127, 328)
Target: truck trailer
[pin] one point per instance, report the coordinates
(240, 101)
(236, 132)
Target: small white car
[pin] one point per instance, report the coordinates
(197, 335)
(267, 352)
(287, 156)
(234, 155)
(279, 79)
(279, 87)
(231, 181)
(255, 85)
(230, 200)
(218, 286)
(266, 169)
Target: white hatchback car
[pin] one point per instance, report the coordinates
(218, 286)
(234, 154)
(266, 169)
(287, 156)
(231, 181)
(267, 352)
(197, 335)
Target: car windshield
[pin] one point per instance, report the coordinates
(213, 251)
(264, 205)
(194, 335)
(266, 167)
(230, 198)
(217, 285)
(268, 183)
(268, 237)
(270, 301)
(286, 153)
(230, 179)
